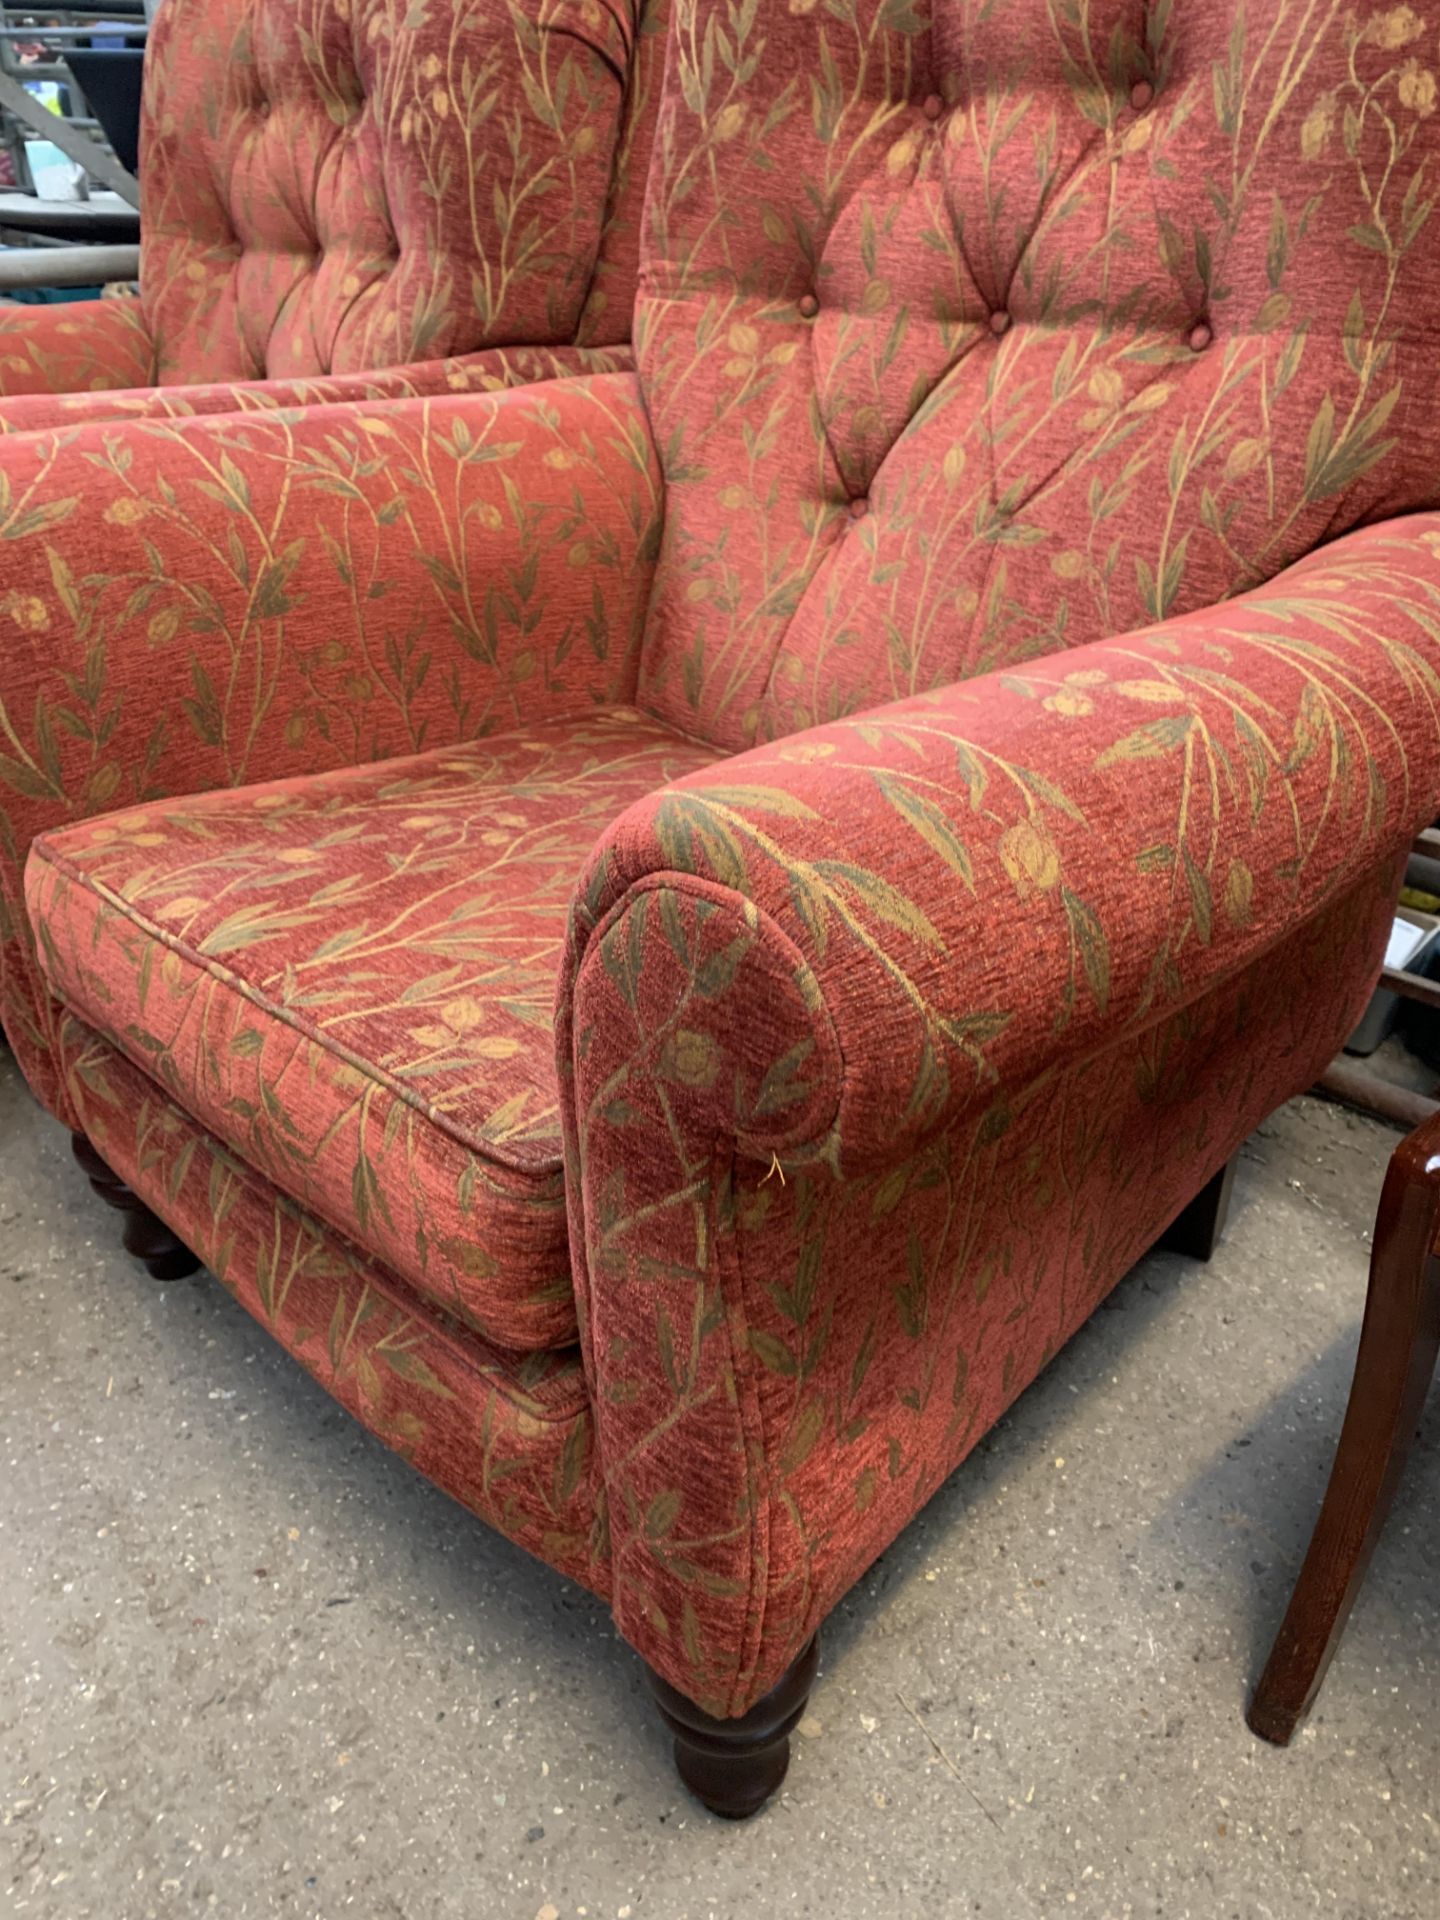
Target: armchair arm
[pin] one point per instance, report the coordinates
(992, 879)
(81, 346)
(491, 370)
(205, 603)
(812, 966)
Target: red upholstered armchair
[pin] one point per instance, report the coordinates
(672, 934)
(345, 199)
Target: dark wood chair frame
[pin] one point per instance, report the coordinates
(1399, 1338)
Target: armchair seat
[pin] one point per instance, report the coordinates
(349, 980)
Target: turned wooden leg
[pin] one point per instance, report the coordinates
(734, 1766)
(1398, 1343)
(1196, 1232)
(146, 1235)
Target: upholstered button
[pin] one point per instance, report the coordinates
(809, 306)
(1141, 94)
(859, 509)
(1200, 337)
(999, 322)
(934, 106)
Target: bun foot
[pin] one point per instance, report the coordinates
(733, 1766)
(1196, 1232)
(146, 1236)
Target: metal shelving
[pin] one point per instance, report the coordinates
(111, 213)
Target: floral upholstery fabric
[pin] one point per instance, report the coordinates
(1030, 922)
(76, 347)
(509, 1434)
(351, 979)
(333, 186)
(374, 183)
(999, 372)
(1138, 820)
(490, 371)
(196, 604)
(832, 1349)
(1044, 322)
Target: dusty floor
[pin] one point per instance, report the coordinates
(251, 1665)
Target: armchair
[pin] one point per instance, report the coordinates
(350, 199)
(673, 934)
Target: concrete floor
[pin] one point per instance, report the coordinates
(251, 1665)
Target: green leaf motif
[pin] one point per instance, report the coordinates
(930, 822)
(1091, 945)
(1150, 742)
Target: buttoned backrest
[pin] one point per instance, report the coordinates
(339, 185)
(971, 332)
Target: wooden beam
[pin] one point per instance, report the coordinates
(1414, 986)
(1346, 1080)
(73, 142)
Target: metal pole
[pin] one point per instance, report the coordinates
(67, 266)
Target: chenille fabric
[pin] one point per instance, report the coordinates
(490, 370)
(74, 347)
(1017, 543)
(1044, 323)
(336, 186)
(350, 980)
(510, 1434)
(201, 604)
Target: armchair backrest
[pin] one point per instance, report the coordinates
(331, 186)
(610, 302)
(972, 332)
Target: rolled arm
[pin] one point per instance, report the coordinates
(988, 881)
(783, 972)
(196, 604)
(491, 370)
(79, 347)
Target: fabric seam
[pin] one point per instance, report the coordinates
(45, 851)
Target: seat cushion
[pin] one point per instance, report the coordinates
(349, 979)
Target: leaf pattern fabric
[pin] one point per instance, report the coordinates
(334, 186)
(198, 604)
(830, 1348)
(350, 981)
(1013, 561)
(77, 347)
(489, 371)
(1126, 825)
(1029, 956)
(1044, 322)
(508, 1434)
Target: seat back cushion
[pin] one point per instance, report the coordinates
(330, 186)
(971, 332)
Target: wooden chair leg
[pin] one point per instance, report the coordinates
(1196, 1232)
(163, 1256)
(733, 1766)
(1398, 1344)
